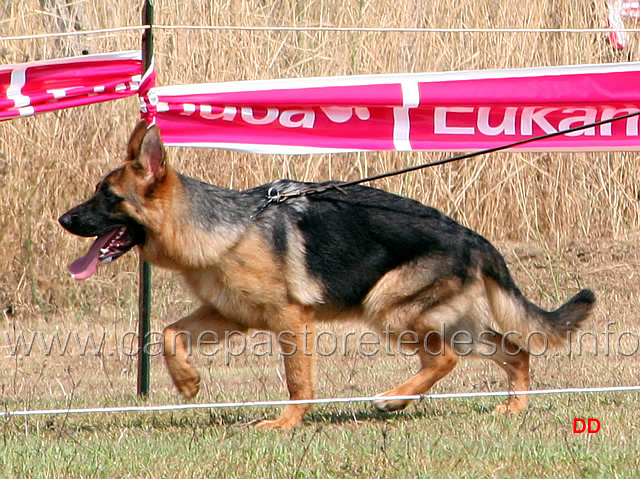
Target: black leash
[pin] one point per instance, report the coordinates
(275, 196)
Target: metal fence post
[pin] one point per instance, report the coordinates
(144, 297)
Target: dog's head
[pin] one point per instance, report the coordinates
(115, 213)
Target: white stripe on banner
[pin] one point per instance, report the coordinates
(401, 120)
(14, 92)
(401, 129)
(57, 94)
(27, 111)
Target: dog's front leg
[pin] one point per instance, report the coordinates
(179, 338)
(297, 346)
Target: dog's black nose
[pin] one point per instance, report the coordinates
(66, 220)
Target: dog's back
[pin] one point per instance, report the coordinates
(354, 237)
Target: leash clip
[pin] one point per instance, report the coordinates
(273, 196)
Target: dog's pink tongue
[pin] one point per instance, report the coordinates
(84, 267)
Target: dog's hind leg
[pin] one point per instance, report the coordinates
(179, 338)
(437, 361)
(515, 361)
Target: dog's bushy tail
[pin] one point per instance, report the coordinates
(513, 312)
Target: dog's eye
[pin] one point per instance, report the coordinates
(109, 195)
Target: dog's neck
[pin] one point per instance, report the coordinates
(213, 207)
(214, 218)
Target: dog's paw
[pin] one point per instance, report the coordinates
(390, 405)
(507, 409)
(282, 423)
(188, 387)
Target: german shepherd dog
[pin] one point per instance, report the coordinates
(357, 252)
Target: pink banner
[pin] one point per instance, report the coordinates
(456, 111)
(30, 88)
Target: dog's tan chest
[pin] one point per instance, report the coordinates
(246, 285)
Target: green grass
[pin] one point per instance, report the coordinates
(458, 438)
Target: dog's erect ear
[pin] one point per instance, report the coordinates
(151, 155)
(146, 151)
(135, 140)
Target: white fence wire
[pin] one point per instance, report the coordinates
(348, 400)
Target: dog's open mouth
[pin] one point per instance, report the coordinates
(105, 249)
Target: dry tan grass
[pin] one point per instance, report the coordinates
(49, 162)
